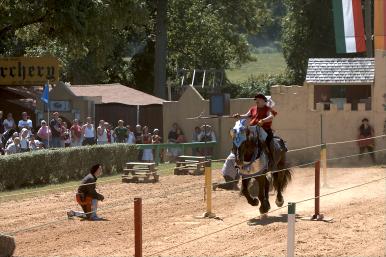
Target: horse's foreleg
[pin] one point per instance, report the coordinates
(244, 190)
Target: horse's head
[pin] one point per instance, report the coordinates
(244, 142)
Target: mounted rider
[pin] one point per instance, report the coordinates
(262, 115)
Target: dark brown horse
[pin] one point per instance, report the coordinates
(255, 167)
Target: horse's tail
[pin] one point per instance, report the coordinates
(283, 178)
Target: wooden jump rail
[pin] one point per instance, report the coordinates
(194, 165)
(136, 172)
(183, 146)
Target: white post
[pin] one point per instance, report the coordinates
(291, 230)
(137, 114)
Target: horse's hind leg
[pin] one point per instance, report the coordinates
(244, 190)
(264, 195)
(278, 177)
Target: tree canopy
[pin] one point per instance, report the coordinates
(100, 41)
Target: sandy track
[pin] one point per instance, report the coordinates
(169, 220)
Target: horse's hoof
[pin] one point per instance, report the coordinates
(279, 203)
(263, 216)
(254, 202)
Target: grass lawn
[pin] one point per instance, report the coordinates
(163, 170)
(271, 63)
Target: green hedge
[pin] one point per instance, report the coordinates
(60, 165)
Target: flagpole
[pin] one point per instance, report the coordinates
(48, 115)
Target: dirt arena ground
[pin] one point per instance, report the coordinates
(170, 222)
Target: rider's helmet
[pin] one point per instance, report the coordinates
(261, 96)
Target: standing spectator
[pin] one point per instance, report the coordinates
(366, 131)
(55, 130)
(88, 132)
(25, 122)
(9, 122)
(2, 150)
(138, 139)
(34, 144)
(14, 147)
(195, 134)
(101, 133)
(1, 124)
(147, 155)
(120, 133)
(44, 133)
(24, 139)
(62, 129)
(110, 136)
(130, 136)
(138, 134)
(76, 133)
(156, 139)
(10, 140)
(172, 138)
(66, 134)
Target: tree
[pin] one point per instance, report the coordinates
(308, 32)
(89, 37)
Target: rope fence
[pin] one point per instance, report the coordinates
(195, 188)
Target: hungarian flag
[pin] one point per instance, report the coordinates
(380, 24)
(349, 28)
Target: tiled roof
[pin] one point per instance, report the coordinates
(116, 93)
(340, 71)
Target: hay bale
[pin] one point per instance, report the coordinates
(7, 246)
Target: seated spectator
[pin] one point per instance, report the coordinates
(44, 133)
(130, 136)
(88, 132)
(206, 135)
(34, 144)
(25, 122)
(147, 155)
(180, 136)
(76, 133)
(102, 133)
(366, 131)
(9, 123)
(120, 133)
(14, 147)
(195, 134)
(24, 139)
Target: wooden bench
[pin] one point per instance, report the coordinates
(136, 172)
(193, 165)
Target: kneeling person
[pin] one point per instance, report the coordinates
(230, 174)
(87, 197)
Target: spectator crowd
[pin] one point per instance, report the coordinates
(23, 136)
